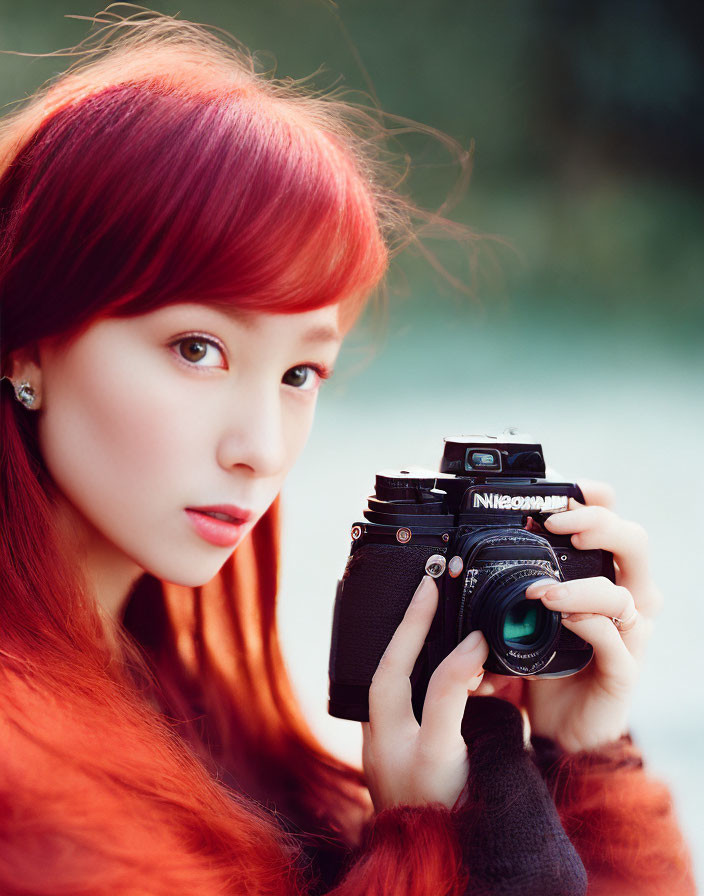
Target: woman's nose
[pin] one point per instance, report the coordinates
(253, 436)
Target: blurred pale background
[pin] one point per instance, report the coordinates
(588, 130)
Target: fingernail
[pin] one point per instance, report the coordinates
(536, 593)
(556, 592)
(471, 642)
(566, 615)
(538, 589)
(423, 590)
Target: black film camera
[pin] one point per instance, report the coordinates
(465, 526)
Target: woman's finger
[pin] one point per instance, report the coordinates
(366, 734)
(458, 675)
(594, 595)
(597, 492)
(617, 668)
(595, 527)
(390, 690)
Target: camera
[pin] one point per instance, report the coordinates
(476, 526)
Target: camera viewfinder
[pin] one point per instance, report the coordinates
(487, 460)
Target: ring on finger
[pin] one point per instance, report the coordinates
(625, 625)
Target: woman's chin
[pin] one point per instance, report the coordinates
(189, 572)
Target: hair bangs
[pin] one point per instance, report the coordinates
(296, 231)
(220, 200)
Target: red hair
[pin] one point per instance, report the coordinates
(164, 168)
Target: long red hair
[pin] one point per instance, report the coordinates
(163, 167)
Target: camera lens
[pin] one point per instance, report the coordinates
(522, 634)
(523, 622)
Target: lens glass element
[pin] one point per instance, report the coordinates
(521, 622)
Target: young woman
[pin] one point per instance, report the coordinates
(184, 244)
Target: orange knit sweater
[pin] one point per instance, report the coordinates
(620, 819)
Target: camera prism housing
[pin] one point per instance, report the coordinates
(476, 526)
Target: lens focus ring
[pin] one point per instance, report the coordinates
(522, 634)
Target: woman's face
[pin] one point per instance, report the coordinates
(183, 407)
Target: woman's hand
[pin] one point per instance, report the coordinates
(407, 763)
(591, 708)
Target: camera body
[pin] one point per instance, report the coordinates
(476, 527)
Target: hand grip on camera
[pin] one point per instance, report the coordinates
(407, 763)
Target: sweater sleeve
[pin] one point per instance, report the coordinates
(620, 819)
(502, 838)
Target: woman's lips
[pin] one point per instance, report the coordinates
(217, 532)
(239, 514)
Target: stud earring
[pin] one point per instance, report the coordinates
(26, 395)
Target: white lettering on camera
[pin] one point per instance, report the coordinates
(544, 503)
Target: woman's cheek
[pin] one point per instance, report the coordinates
(111, 436)
(299, 424)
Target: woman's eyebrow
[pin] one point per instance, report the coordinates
(320, 333)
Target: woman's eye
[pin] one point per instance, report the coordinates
(304, 377)
(195, 349)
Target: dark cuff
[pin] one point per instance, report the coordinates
(512, 840)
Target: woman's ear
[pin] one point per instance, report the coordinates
(25, 373)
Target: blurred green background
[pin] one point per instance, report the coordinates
(585, 322)
(587, 121)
